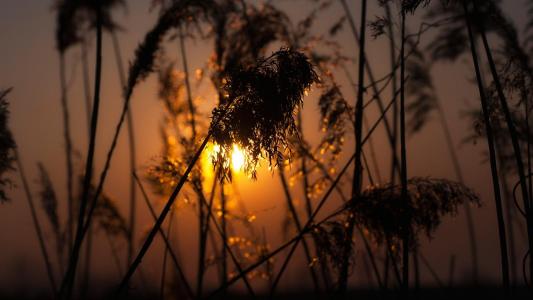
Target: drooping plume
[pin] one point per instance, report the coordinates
(7, 145)
(262, 101)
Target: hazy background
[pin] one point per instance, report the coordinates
(29, 64)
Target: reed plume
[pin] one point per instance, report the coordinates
(263, 100)
(7, 146)
(49, 204)
(381, 211)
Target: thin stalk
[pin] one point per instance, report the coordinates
(530, 180)
(204, 231)
(114, 253)
(165, 239)
(325, 197)
(157, 226)
(371, 258)
(373, 156)
(308, 225)
(224, 234)
(211, 216)
(36, 225)
(392, 47)
(365, 124)
(68, 281)
(87, 94)
(363, 237)
(492, 155)
(187, 83)
(308, 205)
(202, 245)
(86, 84)
(165, 255)
(434, 274)
(87, 270)
(268, 265)
(68, 149)
(459, 176)
(358, 132)
(416, 272)
(299, 237)
(305, 174)
(510, 214)
(403, 178)
(298, 224)
(131, 148)
(394, 263)
(372, 81)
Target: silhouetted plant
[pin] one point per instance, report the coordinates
(49, 203)
(68, 27)
(336, 115)
(247, 37)
(529, 28)
(382, 212)
(450, 44)
(141, 67)
(7, 146)
(146, 52)
(331, 244)
(514, 70)
(420, 88)
(110, 219)
(260, 117)
(178, 144)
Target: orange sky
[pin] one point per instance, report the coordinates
(29, 64)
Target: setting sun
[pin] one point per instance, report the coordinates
(237, 158)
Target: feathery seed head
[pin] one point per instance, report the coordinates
(259, 114)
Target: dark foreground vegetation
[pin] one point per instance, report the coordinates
(457, 292)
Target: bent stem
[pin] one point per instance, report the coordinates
(68, 149)
(514, 141)
(36, 225)
(68, 281)
(492, 155)
(131, 146)
(168, 246)
(403, 178)
(298, 224)
(372, 80)
(459, 175)
(165, 255)
(165, 211)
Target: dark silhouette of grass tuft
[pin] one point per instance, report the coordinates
(263, 101)
(7, 146)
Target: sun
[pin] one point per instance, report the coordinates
(237, 158)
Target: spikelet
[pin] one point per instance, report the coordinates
(109, 217)
(7, 145)
(48, 199)
(262, 101)
(179, 12)
(381, 210)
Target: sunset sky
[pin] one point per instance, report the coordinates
(29, 63)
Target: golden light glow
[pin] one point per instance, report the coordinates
(237, 158)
